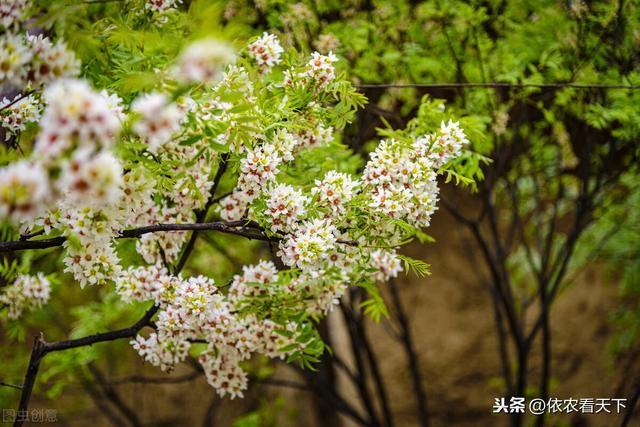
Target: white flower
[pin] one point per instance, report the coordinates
(161, 5)
(159, 120)
(24, 191)
(285, 206)
(335, 190)
(401, 181)
(309, 245)
(91, 180)
(77, 114)
(320, 68)
(22, 112)
(259, 167)
(26, 292)
(204, 61)
(114, 103)
(266, 51)
(11, 12)
(51, 61)
(234, 206)
(14, 59)
(386, 263)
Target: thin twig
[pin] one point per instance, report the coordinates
(19, 387)
(17, 99)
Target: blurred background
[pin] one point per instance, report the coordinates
(535, 271)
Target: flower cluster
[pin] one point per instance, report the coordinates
(266, 51)
(316, 136)
(14, 59)
(93, 263)
(144, 283)
(386, 264)
(50, 61)
(322, 290)
(18, 113)
(161, 5)
(334, 191)
(320, 68)
(73, 181)
(193, 309)
(26, 293)
(91, 180)
(91, 256)
(443, 145)
(402, 182)
(309, 246)
(12, 12)
(249, 283)
(159, 119)
(204, 61)
(24, 191)
(33, 61)
(285, 206)
(259, 167)
(76, 115)
(234, 206)
(319, 72)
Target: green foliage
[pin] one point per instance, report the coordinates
(415, 266)
(268, 414)
(613, 242)
(374, 306)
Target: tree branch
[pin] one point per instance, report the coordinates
(113, 396)
(247, 229)
(412, 356)
(41, 348)
(202, 214)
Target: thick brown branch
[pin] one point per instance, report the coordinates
(248, 229)
(240, 228)
(37, 353)
(101, 337)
